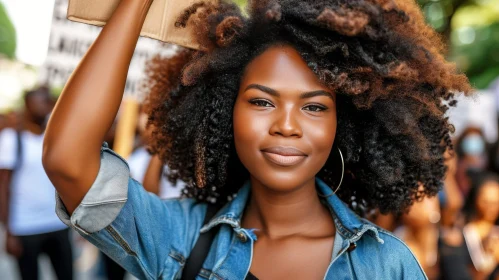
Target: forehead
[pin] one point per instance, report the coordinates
(490, 190)
(281, 68)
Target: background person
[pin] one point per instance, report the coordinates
(471, 148)
(419, 230)
(481, 232)
(27, 195)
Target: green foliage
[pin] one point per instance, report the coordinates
(7, 34)
(241, 3)
(476, 52)
(472, 30)
(438, 13)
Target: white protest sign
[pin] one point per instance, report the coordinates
(69, 41)
(479, 111)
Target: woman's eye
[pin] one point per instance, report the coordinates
(315, 108)
(261, 103)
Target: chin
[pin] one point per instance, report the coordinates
(283, 181)
(283, 178)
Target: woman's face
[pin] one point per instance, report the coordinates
(487, 202)
(284, 120)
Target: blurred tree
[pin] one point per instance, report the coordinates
(240, 3)
(471, 29)
(7, 34)
(476, 51)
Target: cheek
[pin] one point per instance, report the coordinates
(482, 208)
(321, 136)
(492, 209)
(249, 129)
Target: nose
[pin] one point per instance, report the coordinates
(286, 124)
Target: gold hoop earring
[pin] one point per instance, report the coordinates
(341, 178)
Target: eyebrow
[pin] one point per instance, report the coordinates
(275, 93)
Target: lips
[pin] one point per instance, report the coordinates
(284, 156)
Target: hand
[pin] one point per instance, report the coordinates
(13, 245)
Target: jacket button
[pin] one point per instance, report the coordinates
(242, 237)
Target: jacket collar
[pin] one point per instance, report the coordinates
(348, 224)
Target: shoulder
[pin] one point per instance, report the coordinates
(395, 245)
(390, 257)
(186, 207)
(401, 258)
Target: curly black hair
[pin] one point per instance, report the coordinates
(386, 65)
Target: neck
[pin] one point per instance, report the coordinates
(426, 238)
(422, 234)
(279, 214)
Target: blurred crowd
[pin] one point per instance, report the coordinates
(454, 235)
(30, 226)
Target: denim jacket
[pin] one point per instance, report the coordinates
(152, 238)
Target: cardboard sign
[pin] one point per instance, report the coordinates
(159, 24)
(69, 41)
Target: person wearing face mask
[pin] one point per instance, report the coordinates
(27, 196)
(288, 119)
(471, 149)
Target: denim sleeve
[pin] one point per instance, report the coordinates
(146, 235)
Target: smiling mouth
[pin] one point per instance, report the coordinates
(284, 156)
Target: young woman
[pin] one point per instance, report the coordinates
(280, 110)
(481, 233)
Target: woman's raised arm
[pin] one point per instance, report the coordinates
(89, 103)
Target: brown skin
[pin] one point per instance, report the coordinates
(487, 203)
(89, 103)
(421, 235)
(297, 243)
(152, 178)
(487, 209)
(454, 199)
(12, 243)
(292, 243)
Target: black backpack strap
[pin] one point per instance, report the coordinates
(19, 152)
(200, 251)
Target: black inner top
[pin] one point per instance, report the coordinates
(251, 277)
